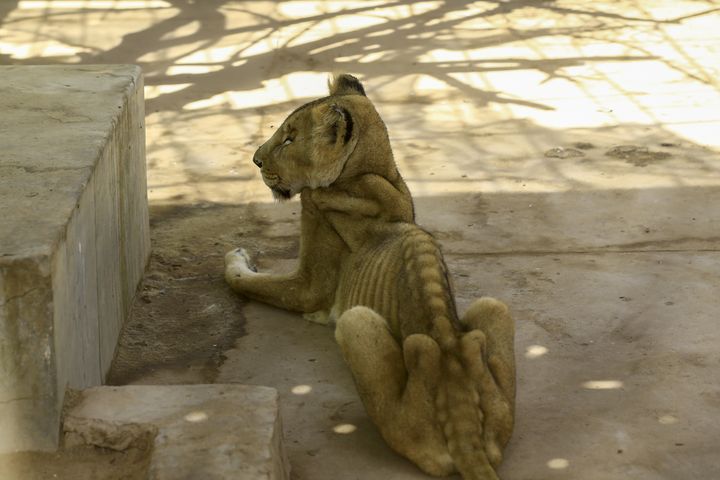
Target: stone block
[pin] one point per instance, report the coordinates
(212, 432)
(74, 235)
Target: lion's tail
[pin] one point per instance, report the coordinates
(461, 419)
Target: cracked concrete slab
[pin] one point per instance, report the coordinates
(214, 432)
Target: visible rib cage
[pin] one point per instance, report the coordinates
(371, 280)
(407, 263)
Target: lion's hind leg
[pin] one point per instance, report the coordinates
(397, 386)
(492, 317)
(491, 340)
(374, 357)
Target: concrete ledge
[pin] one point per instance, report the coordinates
(198, 431)
(74, 237)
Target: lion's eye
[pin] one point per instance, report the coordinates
(287, 141)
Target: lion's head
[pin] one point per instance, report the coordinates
(314, 144)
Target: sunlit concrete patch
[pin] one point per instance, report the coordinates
(91, 4)
(535, 351)
(192, 69)
(212, 55)
(64, 33)
(297, 85)
(602, 384)
(196, 416)
(668, 419)
(344, 428)
(301, 9)
(301, 389)
(333, 18)
(43, 48)
(558, 463)
(153, 91)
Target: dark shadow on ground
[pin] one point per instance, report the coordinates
(588, 275)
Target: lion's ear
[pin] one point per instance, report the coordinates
(334, 139)
(345, 84)
(333, 125)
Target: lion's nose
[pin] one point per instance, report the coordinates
(257, 161)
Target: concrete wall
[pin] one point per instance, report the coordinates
(74, 235)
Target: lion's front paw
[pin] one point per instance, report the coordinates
(238, 263)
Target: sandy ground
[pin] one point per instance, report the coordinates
(564, 153)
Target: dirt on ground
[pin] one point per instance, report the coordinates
(77, 463)
(185, 316)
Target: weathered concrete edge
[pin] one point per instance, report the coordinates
(34, 418)
(133, 222)
(115, 201)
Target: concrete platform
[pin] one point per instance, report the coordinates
(213, 432)
(74, 236)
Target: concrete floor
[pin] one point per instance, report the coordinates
(505, 118)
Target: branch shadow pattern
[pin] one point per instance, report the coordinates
(398, 45)
(399, 41)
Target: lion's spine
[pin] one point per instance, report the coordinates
(461, 424)
(411, 259)
(425, 270)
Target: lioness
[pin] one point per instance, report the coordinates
(441, 389)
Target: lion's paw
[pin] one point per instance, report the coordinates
(321, 316)
(238, 263)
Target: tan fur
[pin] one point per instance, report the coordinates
(440, 389)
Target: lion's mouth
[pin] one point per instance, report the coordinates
(274, 183)
(281, 193)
